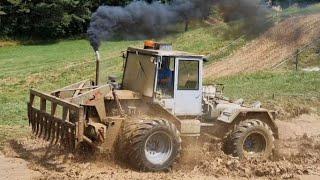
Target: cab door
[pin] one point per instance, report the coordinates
(188, 86)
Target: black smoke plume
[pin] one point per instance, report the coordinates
(255, 14)
(141, 19)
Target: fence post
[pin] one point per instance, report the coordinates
(186, 26)
(296, 62)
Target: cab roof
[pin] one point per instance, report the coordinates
(173, 53)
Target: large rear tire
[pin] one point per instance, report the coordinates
(150, 145)
(251, 138)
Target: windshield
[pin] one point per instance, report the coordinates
(139, 74)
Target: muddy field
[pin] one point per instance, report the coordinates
(297, 157)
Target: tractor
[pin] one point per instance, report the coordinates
(144, 118)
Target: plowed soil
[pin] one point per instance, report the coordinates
(297, 157)
(271, 48)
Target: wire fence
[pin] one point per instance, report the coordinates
(225, 48)
(269, 20)
(294, 56)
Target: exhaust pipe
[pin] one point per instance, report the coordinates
(97, 68)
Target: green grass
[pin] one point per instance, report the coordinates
(53, 65)
(294, 11)
(48, 67)
(212, 41)
(290, 92)
(309, 57)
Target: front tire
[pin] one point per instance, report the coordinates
(252, 138)
(150, 145)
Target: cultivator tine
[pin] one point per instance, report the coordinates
(72, 138)
(48, 120)
(49, 128)
(45, 121)
(68, 137)
(43, 128)
(34, 124)
(29, 113)
(54, 131)
(33, 116)
(62, 134)
(55, 135)
(37, 124)
(58, 130)
(32, 120)
(42, 125)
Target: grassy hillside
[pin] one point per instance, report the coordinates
(308, 57)
(294, 10)
(54, 65)
(46, 67)
(291, 93)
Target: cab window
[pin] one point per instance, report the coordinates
(188, 75)
(165, 81)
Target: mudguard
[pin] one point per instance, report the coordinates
(236, 115)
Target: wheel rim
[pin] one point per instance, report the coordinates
(158, 147)
(254, 144)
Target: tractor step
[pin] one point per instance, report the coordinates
(206, 124)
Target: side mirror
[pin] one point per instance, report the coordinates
(124, 55)
(112, 78)
(206, 59)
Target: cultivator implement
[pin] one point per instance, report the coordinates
(56, 120)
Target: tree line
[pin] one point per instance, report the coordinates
(50, 19)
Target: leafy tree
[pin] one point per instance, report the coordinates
(49, 18)
(45, 18)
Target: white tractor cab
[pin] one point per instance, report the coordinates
(172, 78)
